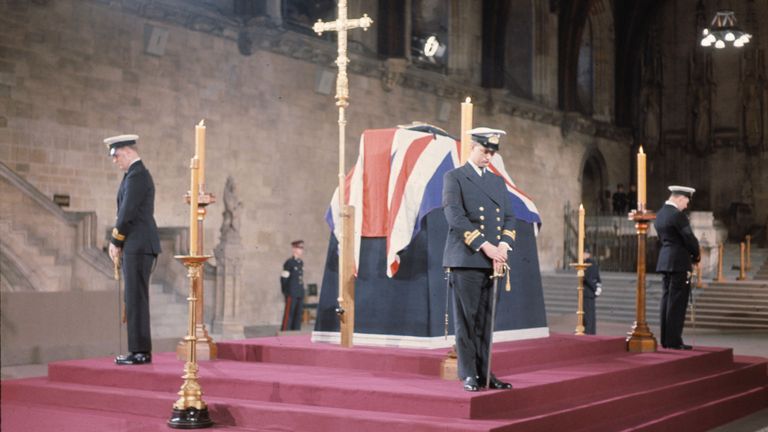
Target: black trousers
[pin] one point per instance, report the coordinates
(590, 318)
(473, 290)
(674, 302)
(136, 271)
(294, 308)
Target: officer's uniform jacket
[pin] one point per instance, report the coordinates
(679, 246)
(591, 278)
(135, 230)
(292, 278)
(478, 209)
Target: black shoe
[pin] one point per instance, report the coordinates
(498, 384)
(681, 347)
(134, 359)
(470, 384)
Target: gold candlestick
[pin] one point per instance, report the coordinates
(190, 411)
(580, 267)
(205, 347)
(749, 252)
(641, 338)
(720, 256)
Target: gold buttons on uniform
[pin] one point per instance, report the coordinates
(498, 210)
(482, 226)
(498, 237)
(498, 228)
(482, 217)
(481, 208)
(498, 219)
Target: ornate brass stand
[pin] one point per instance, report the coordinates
(641, 339)
(580, 312)
(190, 411)
(205, 346)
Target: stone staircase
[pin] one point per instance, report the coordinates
(617, 302)
(732, 305)
(41, 268)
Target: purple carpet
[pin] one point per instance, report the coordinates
(290, 384)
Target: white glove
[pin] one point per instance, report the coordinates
(599, 289)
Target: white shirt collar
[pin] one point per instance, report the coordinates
(672, 203)
(477, 169)
(137, 159)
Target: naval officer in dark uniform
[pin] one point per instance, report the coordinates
(480, 236)
(593, 287)
(679, 251)
(292, 285)
(135, 241)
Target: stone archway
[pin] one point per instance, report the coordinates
(594, 182)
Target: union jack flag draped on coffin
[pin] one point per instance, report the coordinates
(398, 179)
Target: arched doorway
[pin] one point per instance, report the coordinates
(594, 184)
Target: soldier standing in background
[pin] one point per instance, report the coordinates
(292, 285)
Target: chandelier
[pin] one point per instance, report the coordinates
(724, 29)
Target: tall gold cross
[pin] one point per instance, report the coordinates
(341, 25)
(346, 299)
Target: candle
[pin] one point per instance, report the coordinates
(641, 189)
(200, 149)
(466, 125)
(581, 234)
(194, 186)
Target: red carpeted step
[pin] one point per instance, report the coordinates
(733, 388)
(299, 350)
(409, 394)
(261, 415)
(601, 385)
(744, 386)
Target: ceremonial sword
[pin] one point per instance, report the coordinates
(498, 276)
(120, 306)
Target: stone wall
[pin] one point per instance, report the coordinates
(726, 166)
(74, 72)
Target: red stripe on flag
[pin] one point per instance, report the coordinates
(409, 161)
(376, 154)
(509, 184)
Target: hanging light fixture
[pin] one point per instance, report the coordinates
(724, 29)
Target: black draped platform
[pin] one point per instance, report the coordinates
(408, 309)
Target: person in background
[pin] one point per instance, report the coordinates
(292, 286)
(620, 200)
(593, 287)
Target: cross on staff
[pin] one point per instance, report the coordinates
(346, 284)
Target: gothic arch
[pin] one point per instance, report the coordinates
(593, 176)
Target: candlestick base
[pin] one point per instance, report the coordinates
(190, 418)
(640, 339)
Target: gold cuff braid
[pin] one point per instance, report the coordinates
(469, 237)
(116, 235)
